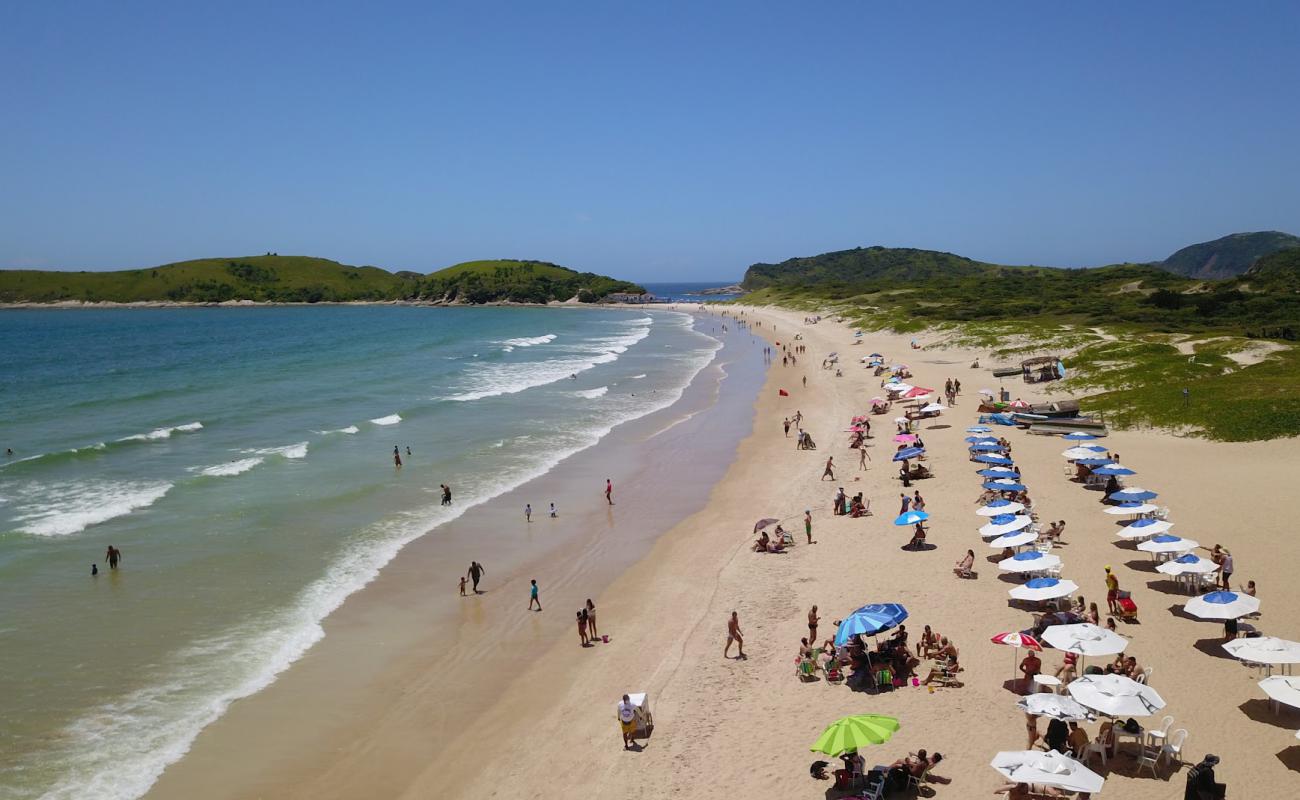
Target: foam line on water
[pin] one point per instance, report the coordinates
(68, 508)
(391, 419)
(592, 394)
(237, 467)
(529, 341)
(158, 434)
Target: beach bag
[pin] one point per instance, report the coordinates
(1131, 726)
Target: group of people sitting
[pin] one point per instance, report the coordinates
(776, 543)
(856, 506)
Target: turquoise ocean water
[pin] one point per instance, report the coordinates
(241, 459)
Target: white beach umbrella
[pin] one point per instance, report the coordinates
(1079, 452)
(1047, 769)
(1085, 639)
(1029, 561)
(999, 507)
(1116, 695)
(932, 408)
(1044, 589)
(899, 387)
(992, 528)
(1131, 508)
(1168, 543)
(1054, 706)
(1222, 605)
(1188, 564)
(1144, 528)
(1284, 689)
(901, 420)
(1013, 539)
(1265, 650)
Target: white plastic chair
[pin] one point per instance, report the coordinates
(1099, 747)
(1174, 747)
(1146, 675)
(1157, 737)
(1149, 756)
(1163, 513)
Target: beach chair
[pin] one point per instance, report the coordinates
(1099, 746)
(1148, 756)
(874, 789)
(806, 669)
(884, 680)
(914, 783)
(833, 673)
(1173, 749)
(1156, 737)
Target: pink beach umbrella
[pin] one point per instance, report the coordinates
(1017, 640)
(905, 437)
(918, 391)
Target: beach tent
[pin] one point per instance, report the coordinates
(1029, 561)
(1143, 528)
(1085, 639)
(1116, 695)
(999, 507)
(1047, 769)
(1040, 589)
(1264, 650)
(1053, 706)
(851, 733)
(869, 620)
(1222, 605)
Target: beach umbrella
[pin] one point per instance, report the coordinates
(1047, 769)
(851, 733)
(1116, 695)
(932, 408)
(981, 438)
(1077, 452)
(990, 458)
(1282, 688)
(1189, 563)
(1222, 605)
(1113, 469)
(997, 472)
(1093, 461)
(1131, 508)
(1004, 485)
(1131, 494)
(1142, 528)
(999, 507)
(1004, 524)
(1018, 403)
(986, 447)
(911, 518)
(1078, 436)
(917, 391)
(1168, 543)
(1053, 706)
(763, 523)
(905, 437)
(1017, 640)
(869, 620)
(978, 429)
(908, 453)
(876, 355)
(1013, 539)
(900, 387)
(1264, 650)
(1044, 589)
(901, 420)
(1029, 561)
(1096, 448)
(1085, 639)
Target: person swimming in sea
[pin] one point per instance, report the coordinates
(408, 449)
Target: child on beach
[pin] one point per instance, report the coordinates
(462, 585)
(553, 511)
(528, 512)
(532, 597)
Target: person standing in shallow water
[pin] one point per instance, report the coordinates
(113, 556)
(397, 457)
(609, 491)
(475, 572)
(446, 494)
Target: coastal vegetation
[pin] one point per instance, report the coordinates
(303, 279)
(1136, 335)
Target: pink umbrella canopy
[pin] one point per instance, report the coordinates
(905, 437)
(1017, 640)
(917, 391)
(1019, 404)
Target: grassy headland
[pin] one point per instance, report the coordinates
(303, 279)
(1136, 335)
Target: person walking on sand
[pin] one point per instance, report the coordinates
(528, 512)
(553, 514)
(627, 721)
(532, 596)
(582, 627)
(905, 502)
(609, 491)
(813, 619)
(807, 525)
(397, 457)
(734, 635)
(863, 458)
(475, 572)
(591, 619)
(829, 472)
(786, 424)
(113, 556)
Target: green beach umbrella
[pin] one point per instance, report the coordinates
(850, 733)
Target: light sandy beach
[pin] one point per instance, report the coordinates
(726, 726)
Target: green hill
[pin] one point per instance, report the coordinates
(1229, 256)
(508, 280)
(863, 264)
(302, 279)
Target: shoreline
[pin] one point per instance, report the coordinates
(338, 697)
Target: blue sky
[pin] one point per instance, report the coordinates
(654, 141)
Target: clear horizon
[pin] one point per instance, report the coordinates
(671, 143)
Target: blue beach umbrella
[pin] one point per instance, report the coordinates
(908, 452)
(1099, 461)
(986, 447)
(1004, 487)
(911, 518)
(1136, 493)
(997, 472)
(1078, 436)
(975, 439)
(999, 507)
(869, 620)
(1113, 469)
(989, 458)
(1096, 448)
(979, 429)
(1003, 519)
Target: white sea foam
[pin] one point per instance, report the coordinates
(494, 380)
(298, 450)
(529, 341)
(391, 419)
(349, 430)
(507, 349)
(232, 468)
(163, 433)
(117, 750)
(592, 394)
(69, 508)
(637, 377)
